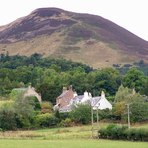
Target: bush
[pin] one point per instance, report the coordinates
(7, 119)
(104, 114)
(24, 110)
(137, 134)
(47, 107)
(139, 111)
(81, 114)
(66, 122)
(116, 132)
(45, 120)
(61, 115)
(122, 132)
(36, 103)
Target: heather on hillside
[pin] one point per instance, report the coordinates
(85, 38)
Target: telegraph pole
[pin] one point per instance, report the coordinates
(97, 116)
(92, 120)
(128, 115)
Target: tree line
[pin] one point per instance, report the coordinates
(49, 76)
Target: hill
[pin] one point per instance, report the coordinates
(85, 38)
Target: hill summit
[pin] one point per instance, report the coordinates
(85, 38)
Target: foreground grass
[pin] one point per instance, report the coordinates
(70, 144)
(77, 132)
(71, 137)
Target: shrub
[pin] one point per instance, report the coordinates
(24, 110)
(61, 115)
(66, 122)
(81, 114)
(7, 119)
(115, 132)
(122, 132)
(45, 120)
(137, 134)
(104, 114)
(36, 103)
(139, 111)
(47, 107)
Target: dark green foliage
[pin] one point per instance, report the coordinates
(123, 133)
(46, 107)
(105, 114)
(49, 91)
(35, 103)
(140, 65)
(36, 60)
(45, 74)
(24, 108)
(137, 105)
(7, 119)
(134, 79)
(107, 79)
(81, 114)
(139, 111)
(144, 91)
(66, 123)
(49, 75)
(62, 115)
(45, 120)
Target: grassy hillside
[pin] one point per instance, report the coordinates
(97, 54)
(85, 38)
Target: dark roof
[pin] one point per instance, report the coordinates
(95, 100)
(78, 97)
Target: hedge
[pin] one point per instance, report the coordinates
(118, 132)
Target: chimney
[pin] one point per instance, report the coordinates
(133, 91)
(70, 87)
(102, 94)
(75, 94)
(89, 94)
(86, 94)
(64, 89)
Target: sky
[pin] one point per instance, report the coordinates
(130, 14)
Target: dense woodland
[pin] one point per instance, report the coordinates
(49, 75)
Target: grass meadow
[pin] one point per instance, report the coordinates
(77, 143)
(70, 137)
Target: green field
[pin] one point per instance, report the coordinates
(70, 137)
(70, 144)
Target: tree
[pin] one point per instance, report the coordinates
(126, 96)
(7, 117)
(134, 78)
(139, 111)
(81, 114)
(78, 79)
(144, 91)
(107, 79)
(24, 108)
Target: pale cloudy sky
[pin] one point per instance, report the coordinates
(130, 14)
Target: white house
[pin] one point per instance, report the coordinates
(100, 102)
(69, 98)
